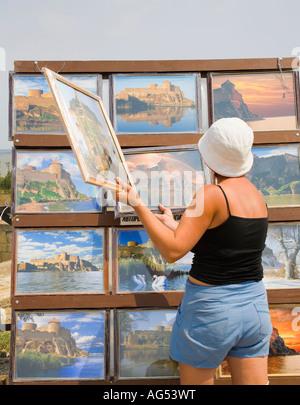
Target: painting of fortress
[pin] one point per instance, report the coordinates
(263, 100)
(35, 110)
(54, 183)
(159, 103)
(60, 261)
(46, 346)
(144, 343)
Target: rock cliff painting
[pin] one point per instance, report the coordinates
(59, 261)
(51, 182)
(59, 345)
(155, 103)
(142, 268)
(144, 337)
(34, 108)
(276, 174)
(170, 177)
(266, 101)
(280, 258)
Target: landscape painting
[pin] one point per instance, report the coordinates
(160, 103)
(50, 181)
(59, 261)
(144, 339)
(91, 136)
(34, 108)
(284, 350)
(266, 101)
(142, 268)
(281, 258)
(60, 345)
(276, 174)
(164, 175)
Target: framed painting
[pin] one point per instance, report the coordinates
(90, 133)
(166, 175)
(276, 174)
(141, 268)
(284, 350)
(49, 181)
(155, 103)
(59, 261)
(143, 338)
(5, 176)
(281, 257)
(265, 100)
(59, 346)
(33, 109)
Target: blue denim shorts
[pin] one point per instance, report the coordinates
(215, 321)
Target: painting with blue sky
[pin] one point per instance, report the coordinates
(60, 261)
(144, 343)
(79, 355)
(276, 174)
(50, 181)
(35, 110)
(162, 103)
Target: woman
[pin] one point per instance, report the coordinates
(224, 312)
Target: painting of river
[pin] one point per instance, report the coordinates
(142, 268)
(144, 344)
(59, 261)
(60, 345)
(155, 103)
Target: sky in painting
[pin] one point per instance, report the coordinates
(287, 321)
(276, 150)
(141, 30)
(268, 95)
(88, 245)
(149, 320)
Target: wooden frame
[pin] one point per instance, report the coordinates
(45, 102)
(27, 373)
(148, 165)
(158, 369)
(90, 133)
(154, 275)
(141, 119)
(57, 270)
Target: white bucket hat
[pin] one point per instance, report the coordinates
(226, 147)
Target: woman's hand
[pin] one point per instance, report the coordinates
(127, 194)
(167, 218)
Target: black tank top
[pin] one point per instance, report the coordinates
(231, 252)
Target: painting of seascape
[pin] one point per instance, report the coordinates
(276, 174)
(266, 101)
(59, 261)
(155, 103)
(34, 108)
(60, 345)
(142, 268)
(51, 182)
(144, 344)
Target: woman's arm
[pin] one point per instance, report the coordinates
(173, 244)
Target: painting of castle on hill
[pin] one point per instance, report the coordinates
(161, 103)
(59, 261)
(144, 340)
(34, 108)
(61, 345)
(266, 101)
(51, 182)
